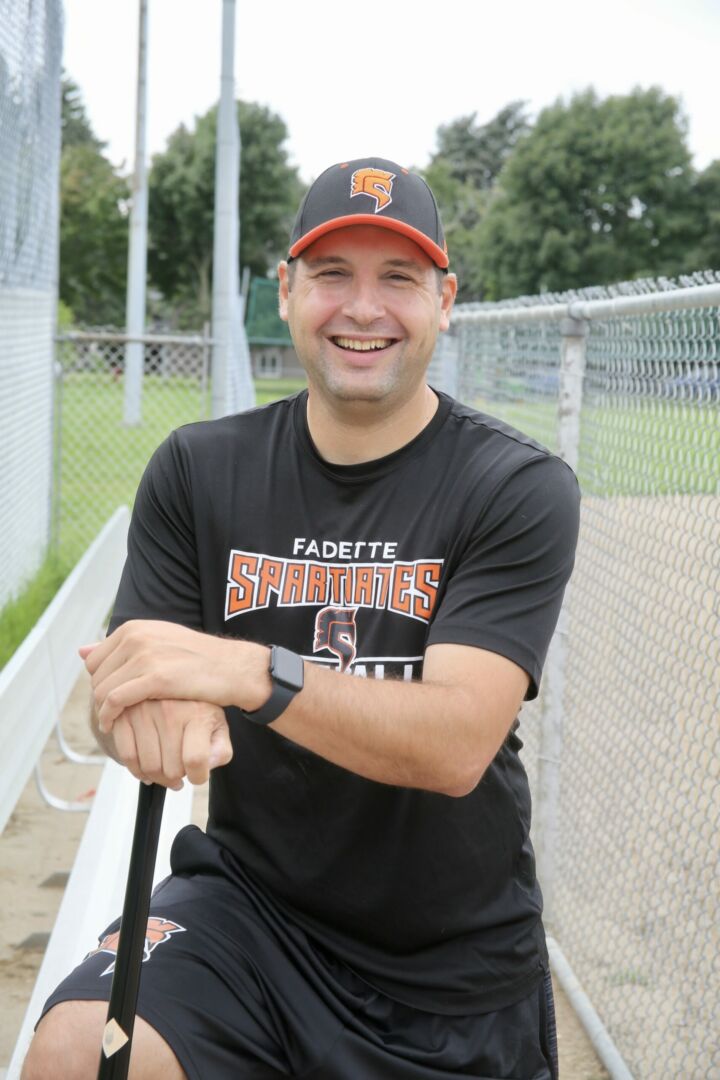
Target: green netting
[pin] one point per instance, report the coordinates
(263, 323)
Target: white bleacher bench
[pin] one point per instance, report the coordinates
(37, 680)
(34, 687)
(95, 891)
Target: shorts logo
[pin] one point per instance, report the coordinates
(377, 183)
(158, 931)
(335, 630)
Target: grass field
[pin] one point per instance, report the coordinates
(101, 462)
(636, 447)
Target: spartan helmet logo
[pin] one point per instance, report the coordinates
(336, 631)
(377, 183)
(158, 931)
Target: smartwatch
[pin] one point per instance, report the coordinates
(287, 673)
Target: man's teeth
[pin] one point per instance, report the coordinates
(362, 346)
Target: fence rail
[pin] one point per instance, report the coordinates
(623, 746)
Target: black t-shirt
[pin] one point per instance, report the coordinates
(465, 535)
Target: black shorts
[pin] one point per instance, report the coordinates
(241, 993)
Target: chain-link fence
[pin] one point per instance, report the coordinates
(30, 52)
(623, 747)
(100, 458)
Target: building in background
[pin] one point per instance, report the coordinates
(271, 349)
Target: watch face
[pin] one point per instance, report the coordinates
(287, 668)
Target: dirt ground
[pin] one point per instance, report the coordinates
(37, 850)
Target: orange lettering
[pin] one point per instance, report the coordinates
(402, 579)
(427, 578)
(294, 581)
(383, 576)
(241, 598)
(316, 583)
(269, 580)
(364, 580)
(341, 582)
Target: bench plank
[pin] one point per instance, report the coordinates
(96, 887)
(37, 680)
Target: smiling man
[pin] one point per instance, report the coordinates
(363, 905)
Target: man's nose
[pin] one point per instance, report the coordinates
(364, 303)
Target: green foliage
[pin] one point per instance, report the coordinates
(475, 154)
(65, 317)
(461, 173)
(74, 122)
(599, 191)
(461, 209)
(181, 206)
(93, 221)
(706, 253)
(93, 236)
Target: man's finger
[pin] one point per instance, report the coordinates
(85, 650)
(170, 722)
(122, 697)
(97, 652)
(147, 741)
(196, 750)
(125, 749)
(221, 748)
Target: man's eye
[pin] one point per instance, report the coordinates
(399, 277)
(331, 273)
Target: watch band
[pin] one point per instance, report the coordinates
(287, 675)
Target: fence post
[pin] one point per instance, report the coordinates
(137, 247)
(56, 441)
(226, 234)
(547, 794)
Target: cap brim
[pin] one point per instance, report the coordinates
(434, 251)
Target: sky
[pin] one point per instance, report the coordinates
(372, 78)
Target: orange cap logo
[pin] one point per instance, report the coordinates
(377, 183)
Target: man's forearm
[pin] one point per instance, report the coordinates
(412, 734)
(439, 734)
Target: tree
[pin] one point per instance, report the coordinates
(93, 237)
(74, 123)
(181, 202)
(474, 153)
(705, 253)
(461, 173)
(93, 220)
(461, 209)
(598, 191)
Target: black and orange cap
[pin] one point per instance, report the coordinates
(371, 191)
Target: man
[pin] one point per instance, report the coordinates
(364, 903)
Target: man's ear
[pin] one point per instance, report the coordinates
(447, 299)
(283, 289)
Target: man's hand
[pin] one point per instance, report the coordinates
(163, 741)
(148, 660)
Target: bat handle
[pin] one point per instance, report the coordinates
(117, 1035)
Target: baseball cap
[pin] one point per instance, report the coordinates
(370, 191)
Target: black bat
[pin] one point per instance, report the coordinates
(117, 1035)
